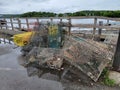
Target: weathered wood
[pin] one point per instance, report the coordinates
(116, 62)
(86, 55)
(19, 23)
(11, 23)
(37, 20)
(69, 26)
(2, 23)
(94, 28)
(100, 30)
(61, 20)
(107, 22)
(69, 21)
(10, 32)
(78, 17)
(27, 22)
(5, 23)
(51, 19)
(0, 26)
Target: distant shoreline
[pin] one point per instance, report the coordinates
(105, 13)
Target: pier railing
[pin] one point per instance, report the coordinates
(27, 23)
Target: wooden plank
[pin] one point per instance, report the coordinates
(60, 20)
(107, 22)
(6, 26)
(51, 19)
(97, 26)
(27, 22)
(94, 28)
(10, 32)
(69, 27)
(19, 23)
(0, 26)
(79, 53)
(100, 30)
(11, 23)
(116, 62)
(76, 25)
(78, 17)
(37, 20)
(6, 23)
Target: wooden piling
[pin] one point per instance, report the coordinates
(94, 28)
(100, 29)
(116, 62)
(5, 23)
(11, 23)
(51, 19)
(19, 23)
(37, 19)
(69, 27)
(60, 20)
(27, 22)
(107, 22)
(0, 26)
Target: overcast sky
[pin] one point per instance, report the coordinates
(58, 6)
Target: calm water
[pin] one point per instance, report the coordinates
(74, 21)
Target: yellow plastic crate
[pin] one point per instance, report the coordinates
(22, 39)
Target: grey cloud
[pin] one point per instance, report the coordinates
(59, 6)
(2, 10)
(1, 4)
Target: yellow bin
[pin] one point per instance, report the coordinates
(22, 39)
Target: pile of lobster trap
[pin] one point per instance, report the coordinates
(78, 59)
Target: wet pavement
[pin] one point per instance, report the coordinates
(13, 76)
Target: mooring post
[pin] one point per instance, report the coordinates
(100, 29)
(27, 22)
(0, 25)
(5, 21)
(37, 20)
(107, 22)
(51, 20)
(60, 20)
(19, 23)
(69, 27)
(11, 23)
(116, 62)
(94, 28)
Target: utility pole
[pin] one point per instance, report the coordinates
(116, 62)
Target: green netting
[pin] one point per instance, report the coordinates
(55, 36)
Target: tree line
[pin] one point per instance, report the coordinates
(79, 13)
